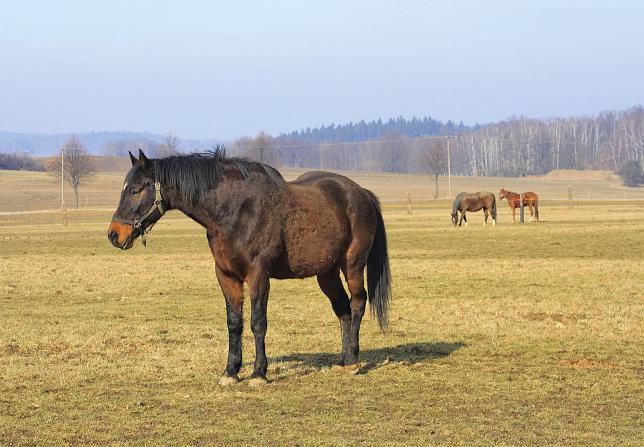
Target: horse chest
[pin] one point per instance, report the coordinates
(228, 256)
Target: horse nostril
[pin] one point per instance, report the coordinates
(113, 237)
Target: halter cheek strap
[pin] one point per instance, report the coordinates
(145, 223)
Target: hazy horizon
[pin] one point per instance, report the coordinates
(224, 71)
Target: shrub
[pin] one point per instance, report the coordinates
(632, 174)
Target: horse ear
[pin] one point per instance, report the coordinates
(133, 159)
(143, 160)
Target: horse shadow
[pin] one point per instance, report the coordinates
(405, 354)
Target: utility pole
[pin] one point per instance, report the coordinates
(62, 178)
(449, 169)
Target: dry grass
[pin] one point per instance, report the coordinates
(513, 335)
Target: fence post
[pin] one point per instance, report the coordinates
(521, 218)
(408, 203)
(570, 204)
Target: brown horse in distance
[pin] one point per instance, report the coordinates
(477, 201)
(259, 227)
(530, 199)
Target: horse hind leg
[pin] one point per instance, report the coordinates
(355, 281)
(485, 214)
(530, 206)
(331, 285)
(356, 261)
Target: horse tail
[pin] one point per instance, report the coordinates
(378, 270)
(536, 207)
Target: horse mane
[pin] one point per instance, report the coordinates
(196, 173)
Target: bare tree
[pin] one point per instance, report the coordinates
(433, 159)
(78, 164)
(168, 148)
(261, 149)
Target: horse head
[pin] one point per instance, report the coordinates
(140, 205)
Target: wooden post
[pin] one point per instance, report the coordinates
(570, 204)
(408, 203)
(521, 215)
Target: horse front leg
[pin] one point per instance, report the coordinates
(259, 286)
(514, 210)
(234, 293)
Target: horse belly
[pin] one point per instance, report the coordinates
(312, 246)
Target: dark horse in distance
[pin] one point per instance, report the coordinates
(258, 227)
(477, 201)
(530, 199)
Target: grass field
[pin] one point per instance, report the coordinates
(513, 335)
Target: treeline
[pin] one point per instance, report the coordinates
(361, 131)
(524, 146)
(20, 162)
(515, 147)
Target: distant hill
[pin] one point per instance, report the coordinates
(95, 142)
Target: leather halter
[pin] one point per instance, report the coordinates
(145, 223)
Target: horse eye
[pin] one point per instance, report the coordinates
(137, 190)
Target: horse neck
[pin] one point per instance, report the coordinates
(219, 204)
(175, 200)
(457, 205)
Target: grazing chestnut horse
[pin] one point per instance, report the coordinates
(477, 201)
(259, 227)
(530, 199)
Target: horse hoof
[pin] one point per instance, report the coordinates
(351, 369)
(228, 380)
(256, 382)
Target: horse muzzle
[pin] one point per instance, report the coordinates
(121, 235)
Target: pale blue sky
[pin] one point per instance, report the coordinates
(227, 69)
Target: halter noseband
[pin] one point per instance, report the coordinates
(145, 223)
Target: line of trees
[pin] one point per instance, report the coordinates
(516, 147)
(361, 131)
(524, 146)
(20, 162)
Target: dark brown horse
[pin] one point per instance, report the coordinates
(530, 199)
(477, 201)
(259, 227)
